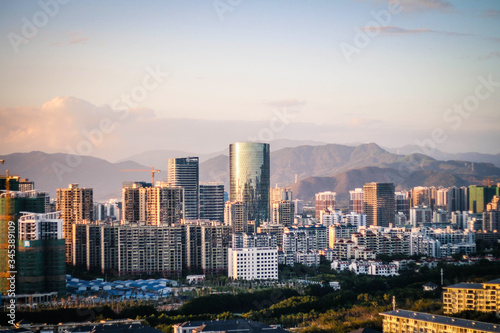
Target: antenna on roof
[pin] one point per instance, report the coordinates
(393, 303)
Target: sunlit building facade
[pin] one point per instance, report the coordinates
(249, 178)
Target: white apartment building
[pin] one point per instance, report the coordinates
(371, 267)
(253, 263)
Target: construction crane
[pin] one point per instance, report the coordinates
(7, 217)
(153, 170)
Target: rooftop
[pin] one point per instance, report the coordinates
(231, 325)
(463, 323)
(465, 285)
(496, 281)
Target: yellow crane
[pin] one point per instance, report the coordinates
(153, 170)
(6, 217)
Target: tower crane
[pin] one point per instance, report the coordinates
(152, 170)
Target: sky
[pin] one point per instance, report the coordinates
(116, 78)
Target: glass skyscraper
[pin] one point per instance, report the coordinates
(184, 172)
(249, 178)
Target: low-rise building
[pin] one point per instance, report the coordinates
(257, 263)
(230, 325)
(483, 297)
(403, 321)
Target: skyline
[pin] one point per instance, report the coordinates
(203, 74)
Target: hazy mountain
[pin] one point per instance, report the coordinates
(355, 166)
(440, 155)
(333, 167)
(159, 158)
(345, 181)
(53, 171)
(156, 158)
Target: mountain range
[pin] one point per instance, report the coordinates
(308, 169)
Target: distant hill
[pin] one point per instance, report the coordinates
(345, 181)
(318, 168)
(352, 166)
(53, 171)
(159, 158)
(443, 156)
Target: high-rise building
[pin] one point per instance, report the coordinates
(356, 201)
(206, 246)
(134, 201)
(298, 206)
(283, 212)
(420, 215)
(491, 216)
(324, 201)
(280, 194)
(75, 204)
(144, 249)
(402, 199)
(458, 199)
(379, 205)
(452, 199)
(236, 216)
(184, 172)
(40, 256)
(421, 196)
(212, 201)
(480, 196)
(273, 228)
(11, 206)
(26, 185)
(164, 204)
(249, 178)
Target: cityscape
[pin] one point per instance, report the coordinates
(236, 166)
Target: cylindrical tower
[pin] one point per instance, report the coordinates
(249, 178)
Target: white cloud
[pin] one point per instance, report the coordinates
(415, 6)
(68, 124)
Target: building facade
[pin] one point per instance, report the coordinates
(75, 204)
(249, 178)
(282, 212)
(404, 321)
(324, 201)
(378, 204)
(40, 260)
(184, 172)
(212, 201)
(236, 216)
(482, 297)
(164, 204)
(134, 201)
(257, 263)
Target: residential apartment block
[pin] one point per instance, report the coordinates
(253, 263)
(403, 321)
(75, 204)
(483, 297)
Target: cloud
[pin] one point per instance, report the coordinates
(492, 13)
(291, 102)
(491, 55)
(417, 6)
(393, 30)
(72, 125)
(73, 37)
(51, 127)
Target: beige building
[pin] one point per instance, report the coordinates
(403, 321)
(472, 296)
(75, 204)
